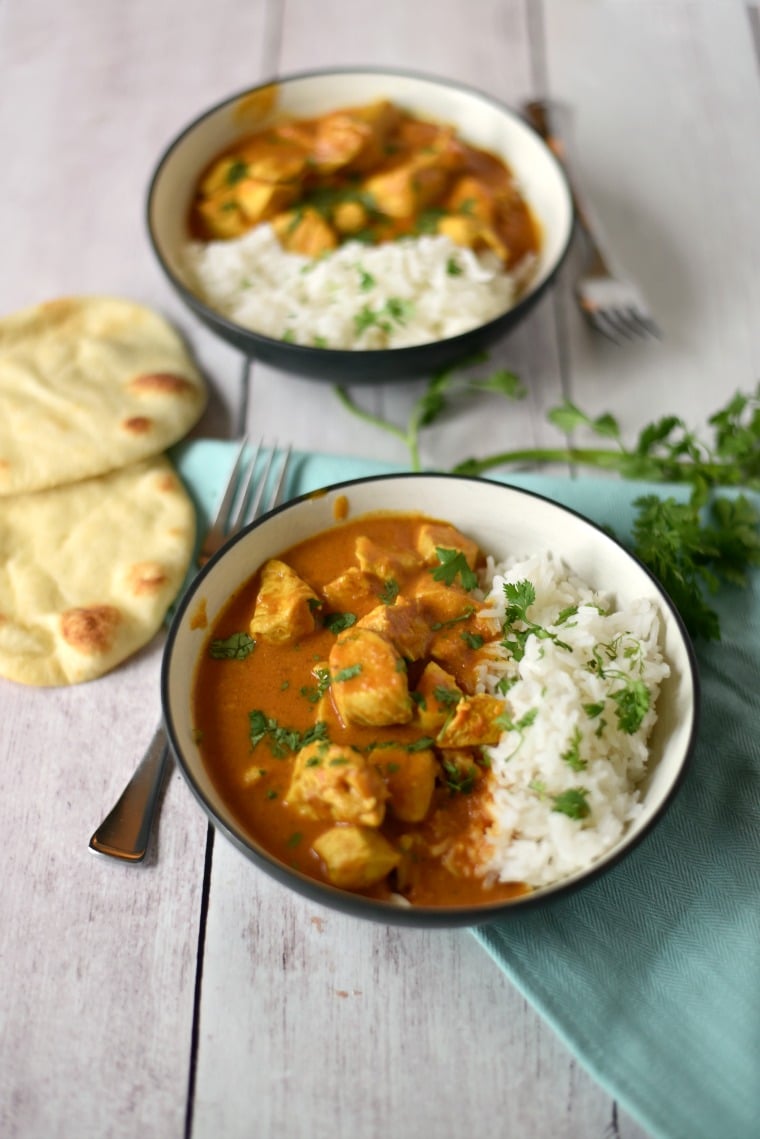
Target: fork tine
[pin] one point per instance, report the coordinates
(225, 506)
(275, 494)
(246, 486)
(647, 326)
(280, 484)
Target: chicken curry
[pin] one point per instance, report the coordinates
(372, 173)
(338, 710)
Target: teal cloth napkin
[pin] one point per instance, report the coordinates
(651, 974)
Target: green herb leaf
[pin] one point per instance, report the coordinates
(453, 564)
(236, 647)
(389, 592)
(337, 622)
(572, 803)
(572, 756)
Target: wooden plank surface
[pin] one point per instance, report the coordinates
(302, 1022)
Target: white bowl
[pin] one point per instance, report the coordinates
(504, 521)
(478, 118)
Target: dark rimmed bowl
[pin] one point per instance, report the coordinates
(504, 521)
(479, 119)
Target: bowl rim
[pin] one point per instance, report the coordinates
(343, 355)
(380, 910)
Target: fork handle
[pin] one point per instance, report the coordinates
(543, 116)
(125, 831)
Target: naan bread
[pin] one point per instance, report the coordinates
(89, 384)
(88, 571)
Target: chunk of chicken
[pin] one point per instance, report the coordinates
(222, 216)
(274, 159)
(451, 607)
(436, 696)
(473, 234)
(473, 724)
(369, 681)
(384, 562)
(355, 857)
(410, 777)
(337, 783)
(352, 591)
(263, 159)
(434, 536)
(261, 201)
(403, 624)
(304, 231)
(471, 198)
(285, 605)
(402, 190)
(354, 137)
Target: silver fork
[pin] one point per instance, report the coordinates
(125, 831)
(612, 304)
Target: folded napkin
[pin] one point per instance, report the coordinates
(651, 974)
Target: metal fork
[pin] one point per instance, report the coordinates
(612, 304)
(125, 831)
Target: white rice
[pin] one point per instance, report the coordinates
(391, 295)
(529, 840)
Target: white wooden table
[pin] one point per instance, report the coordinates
(192, 996)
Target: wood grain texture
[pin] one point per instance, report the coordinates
(308, 1024)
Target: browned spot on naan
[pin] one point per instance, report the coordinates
(146, 577)
(166, 483)
(58, 310)
(137, 424)
(161, 383)
(90, 630)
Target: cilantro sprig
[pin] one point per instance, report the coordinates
(692, 547)
(452, 564)
(442, 393)
(517, 626)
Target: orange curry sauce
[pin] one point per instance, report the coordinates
(376, 568)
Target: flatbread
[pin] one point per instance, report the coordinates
(89, 384)
(88, 571)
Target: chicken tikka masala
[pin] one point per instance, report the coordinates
(372, 173)
(337, 709)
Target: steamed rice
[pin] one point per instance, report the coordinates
(392, 295)
(566, 737)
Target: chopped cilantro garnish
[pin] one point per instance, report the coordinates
(389, 592)
(453, 563)
(446, 697)
(421, 744)
(366, 280)
(281, 740)
(572, 803)
(337, 622)
(314, 693)
(347, 673)
(632, 705)
(473, 640)
(572, 756)
(458, 781)
(236, 647)
(237, 171)
(520, 595)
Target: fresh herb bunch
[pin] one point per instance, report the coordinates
(691, 547)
